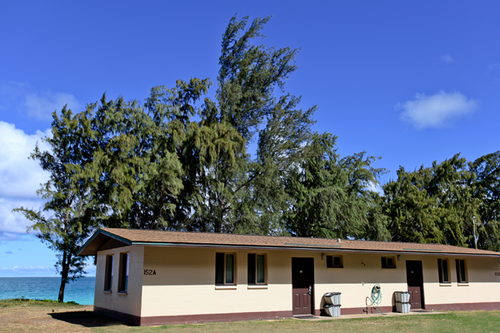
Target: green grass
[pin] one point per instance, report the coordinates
(25, 302)
(478, 321)
(449, 322)
(23, 315)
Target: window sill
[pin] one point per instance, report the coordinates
(225, 287)
(107, 291)
(256, 286)
(445, 284)
(463, 284)
(122, 293)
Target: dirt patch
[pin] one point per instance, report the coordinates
(53, 319)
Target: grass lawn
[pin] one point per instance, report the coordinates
(49, 316)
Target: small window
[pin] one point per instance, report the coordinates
(444, 276)
(256, 268)
(461, 271)
(334, 262)
(108, 278)
(123, 277)
(388, 262)
(225, 271)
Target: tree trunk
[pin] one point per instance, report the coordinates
(64, 276)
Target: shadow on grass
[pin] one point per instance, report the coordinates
(88, 319)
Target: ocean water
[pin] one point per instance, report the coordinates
(80, 291)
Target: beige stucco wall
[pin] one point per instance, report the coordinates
(185, 281)
(129, 303)
(483, 286)
(185, 284)
(355, 281)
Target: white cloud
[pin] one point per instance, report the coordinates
(21, 97)
(17, 271)
(42, 106)
(20, 178)
(446, 58)
(16, 268)
(374, 187)
(437, 110)
(14, 224)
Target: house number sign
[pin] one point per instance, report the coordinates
(149, 272)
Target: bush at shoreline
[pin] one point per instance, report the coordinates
(32, 302)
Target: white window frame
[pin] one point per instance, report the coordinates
(444, 271)
(108, 272)
(123, 272)
(385, 262)
(224, 281)
(462, 263)
(333, 266)
(256, 269)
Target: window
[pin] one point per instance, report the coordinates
(225, 272)
(256, 268)
(461, 271)
(444, 276)
(108, 278)
(334, 262)
(123, 277)
(388, 262)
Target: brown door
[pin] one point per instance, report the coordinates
(415, 282)
(303, 285)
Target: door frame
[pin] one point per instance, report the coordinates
(311, 263)
(421, 268)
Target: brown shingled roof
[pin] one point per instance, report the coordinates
(177, 238)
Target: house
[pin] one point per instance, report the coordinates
(160, 277)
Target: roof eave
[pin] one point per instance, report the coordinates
(312, 248)
(91, 246)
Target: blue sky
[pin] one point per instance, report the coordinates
(410, 81)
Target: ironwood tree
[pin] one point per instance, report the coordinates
(446, 203)
(330, 196)
(486, 189)
(68, 216)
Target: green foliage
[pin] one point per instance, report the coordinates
(331, 196)
(439, 204)
(222, 185)
(486, 190)
(248, 75)
(137, 176)
(27, 302)
(68, 217)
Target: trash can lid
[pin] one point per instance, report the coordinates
(331, 294)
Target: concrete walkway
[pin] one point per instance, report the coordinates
(369, 315)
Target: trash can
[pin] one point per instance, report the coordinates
(332, 298)
(332, 304)
(332, 310)
(402, 299)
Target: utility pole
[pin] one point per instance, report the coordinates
(474, 228)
